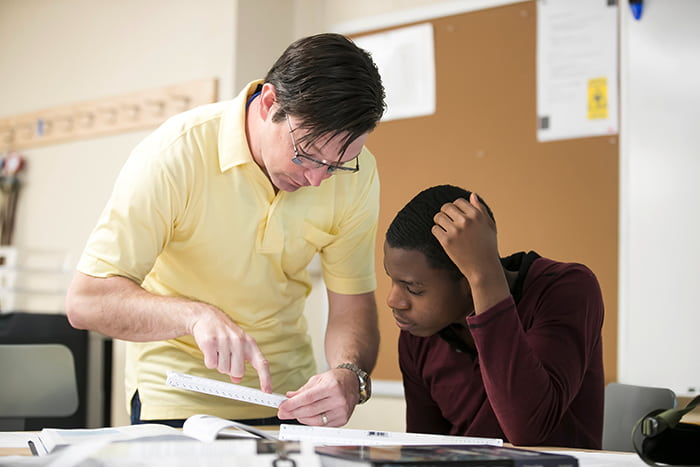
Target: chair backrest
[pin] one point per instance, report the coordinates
(38, 380)
(625, 404)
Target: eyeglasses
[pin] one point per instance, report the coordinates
(311, 163)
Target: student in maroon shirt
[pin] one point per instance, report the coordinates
(489, 346)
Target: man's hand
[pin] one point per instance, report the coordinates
(118, 307)
(227, 348)
(326, 399)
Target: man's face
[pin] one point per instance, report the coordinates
(289, 176)
(424, 300)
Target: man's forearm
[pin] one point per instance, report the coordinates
(352, 333)
(119, 308)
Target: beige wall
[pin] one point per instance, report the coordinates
(67, 51)
(56, 53)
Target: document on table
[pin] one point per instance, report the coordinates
(17, 439)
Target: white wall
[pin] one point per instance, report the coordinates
(660, 196)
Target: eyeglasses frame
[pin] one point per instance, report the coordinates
(330, 168)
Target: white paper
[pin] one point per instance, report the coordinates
(405, 58)
(207, 428)
(50, 438)
(353, 437)
(577, 70)
(17, 439)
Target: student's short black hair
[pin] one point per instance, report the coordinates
(331, 85)
(411, 229)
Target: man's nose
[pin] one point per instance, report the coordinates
(317, 175)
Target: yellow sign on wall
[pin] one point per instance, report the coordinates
(597, 98)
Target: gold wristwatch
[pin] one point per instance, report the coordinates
(363, 378)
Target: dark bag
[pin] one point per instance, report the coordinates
(660, 438)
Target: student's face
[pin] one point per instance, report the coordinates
(289, 176)
(423, 300)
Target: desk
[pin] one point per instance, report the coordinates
(15, 452)
(587, 458)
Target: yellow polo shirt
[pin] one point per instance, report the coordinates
(192, 215)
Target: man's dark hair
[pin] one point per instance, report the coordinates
(411, 229)
(331, 85)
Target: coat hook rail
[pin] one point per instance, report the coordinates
(118, 114)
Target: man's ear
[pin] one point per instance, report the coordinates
(268, 101)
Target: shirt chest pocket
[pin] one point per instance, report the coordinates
(301, 248)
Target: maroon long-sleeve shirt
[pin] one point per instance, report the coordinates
(537, 375)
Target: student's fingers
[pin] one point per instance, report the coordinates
(442, 221)
(466, 207)
(479, 206)
(448, 216)
(462, 214)
(439, 233)
(461, 211)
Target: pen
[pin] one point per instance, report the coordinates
(32, 448)
(636, 6)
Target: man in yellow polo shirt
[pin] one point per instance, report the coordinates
(199, 258)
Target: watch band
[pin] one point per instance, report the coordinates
(363, 378)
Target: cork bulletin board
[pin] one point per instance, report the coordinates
(558, 198)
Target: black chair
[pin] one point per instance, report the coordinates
(22, 329)
(38, 381)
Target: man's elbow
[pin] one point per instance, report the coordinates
(77, 307)
(73, 311)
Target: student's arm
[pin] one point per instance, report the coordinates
(468, 235)
(352, 335)
(120, 308)
(532, 375)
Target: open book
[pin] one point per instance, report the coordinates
(199, 427)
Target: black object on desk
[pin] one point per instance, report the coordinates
(463, 455)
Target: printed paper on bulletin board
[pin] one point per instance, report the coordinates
(406, 61)
(576, 69)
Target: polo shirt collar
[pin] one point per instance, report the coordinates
(233, 144)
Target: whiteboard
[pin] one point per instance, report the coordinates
(660, 196)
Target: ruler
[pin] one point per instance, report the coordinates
(222, 389)
(353, 437)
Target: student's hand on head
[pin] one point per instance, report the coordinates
(227, 348)
(468, 234)
(327, 399)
